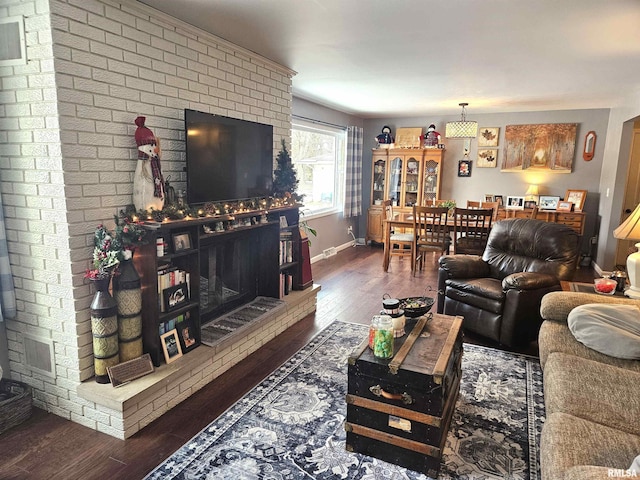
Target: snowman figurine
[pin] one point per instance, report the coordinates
(432, 138)
(385, 140)
(148, 184)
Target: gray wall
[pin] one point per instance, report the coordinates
(584, 176)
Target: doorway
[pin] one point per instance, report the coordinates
(631, 195)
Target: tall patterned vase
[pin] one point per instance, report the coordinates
(104, 328)
(128, 296)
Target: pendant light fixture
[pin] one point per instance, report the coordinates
(462, 129)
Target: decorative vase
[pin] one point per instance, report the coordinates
(104, 329)
(128, 297)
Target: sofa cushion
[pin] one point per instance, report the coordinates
(569, 441)
(594, 391)
(557, 305)
(610, 329)
(556, 337)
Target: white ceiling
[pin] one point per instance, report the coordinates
(378, 58)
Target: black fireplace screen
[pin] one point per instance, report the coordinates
(227, 275)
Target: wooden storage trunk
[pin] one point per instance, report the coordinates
(399, 410)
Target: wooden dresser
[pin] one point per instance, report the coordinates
(575, 220)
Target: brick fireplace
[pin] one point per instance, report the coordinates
(68, 164)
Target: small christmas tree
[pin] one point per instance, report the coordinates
(285, 179)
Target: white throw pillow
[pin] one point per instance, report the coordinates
(610, 329)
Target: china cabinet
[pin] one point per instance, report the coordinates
(407, 177)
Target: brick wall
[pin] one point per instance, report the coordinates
(122, 418)
(69, 153)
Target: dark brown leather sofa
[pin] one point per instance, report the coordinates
(499, 293)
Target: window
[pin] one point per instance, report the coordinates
(318, 156)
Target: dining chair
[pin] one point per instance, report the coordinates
(400, 244)
(493, 205)
(471, 230)
(473, 204)
(431, 232)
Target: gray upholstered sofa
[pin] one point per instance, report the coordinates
(592, 400)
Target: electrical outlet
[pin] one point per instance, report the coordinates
(349, 230)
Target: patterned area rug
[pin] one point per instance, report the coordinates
(291, 425)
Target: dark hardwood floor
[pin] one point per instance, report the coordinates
(353, 283)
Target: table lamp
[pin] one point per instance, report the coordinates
(532, 193)
(630, 230)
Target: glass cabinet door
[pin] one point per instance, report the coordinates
(430, 182)
(411, 179)
(377, 194)
(395, 181)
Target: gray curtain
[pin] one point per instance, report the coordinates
(353, 180)
(7, 292)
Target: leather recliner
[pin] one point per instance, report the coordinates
(499, 293)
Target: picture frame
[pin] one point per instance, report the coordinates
(171, 346)
(577, 197)
(175, 296)
(529, 204)
(464, 168)
(408, 137)
(564, 206)
(548, 202)
(188, 336)
(499, 199)
(181, 241)
(515, 203)
(487, 157)
(489, 198)
(488, 136)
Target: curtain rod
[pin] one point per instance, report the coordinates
(319, 122)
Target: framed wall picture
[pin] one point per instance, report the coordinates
(171, 346)
(548, 147)
(487, 157)
(188, 335)
(181, 241)
(577, 197)
(565, 206)
(548, 202)
(499, 199)
(464, 168)
(488, 136)
(515, 203)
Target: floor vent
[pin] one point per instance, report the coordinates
(329, 252)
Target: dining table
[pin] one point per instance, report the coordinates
(401, 220)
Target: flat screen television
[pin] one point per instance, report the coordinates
(227, 158)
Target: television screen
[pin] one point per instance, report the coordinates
(227, 158)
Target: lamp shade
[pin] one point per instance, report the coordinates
(463, 128)
(532, 190)
(630, 228)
